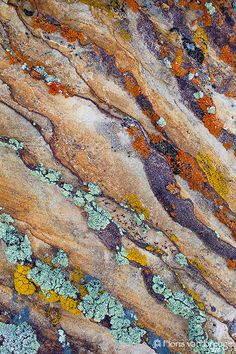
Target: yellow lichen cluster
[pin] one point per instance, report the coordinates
(192, 293)
(214, 174)
(66, 302)
(201, 40)
(135, 255)
(69, 305)
(151, 248)
(136, 204)
(22, 284)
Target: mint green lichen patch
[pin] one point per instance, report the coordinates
(18, 248)
(181, 259)
(98, 218)
(198, 95)
(183, 305)
(52, 279)
(210, 8)
(67, 190)
(140, 220)
(98, 304)
(18, 339)
(47, 175)
(94, 189)
(61, 259)
(13, 144)
(121, 257)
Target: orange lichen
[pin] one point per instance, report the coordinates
(231, 263)
(136, 204)
(132, 4)
(176, 65)
(22, 284)
(139, 142)
(44, 25)
(213, 124)
(136, 256)
(227, 145)
(205, 102)
(227, 56)
(71, 35)
(131, 86)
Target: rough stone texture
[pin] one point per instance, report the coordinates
(145, 108)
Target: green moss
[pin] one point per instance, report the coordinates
(181, 259)
(18, 339)
(18, 248)
(52, 279)
(61, 259)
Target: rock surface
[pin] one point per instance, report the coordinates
(118, 146)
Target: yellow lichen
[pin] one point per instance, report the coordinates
(198, 265)
(69, 305)
(51, 296)
(173, 238)
(76, 275)
(82, 290)
(154, 249)
(201, 40)
(136, 204)
(192, 293)
(214, 174)
(22, 284)
(135, 255)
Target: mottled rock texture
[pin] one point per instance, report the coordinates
(118, 147)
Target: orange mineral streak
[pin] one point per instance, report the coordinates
(213, 124)
(132, 4)
(228, 57)
(139, 142)
(231, 263)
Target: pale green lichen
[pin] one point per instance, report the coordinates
(121, 257)
(18, 247)
(13, 144)
(183, 305)
(198, 95)
(181, 259)
(161, 122)
(47, 175)
(211, 110)
(140, 220)
(210, 8)
(61, 258)
(67, 190)
(64, 342)
(99, 304)
(52, 279)
(98, 218)
(18, 339)
(94, 189)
